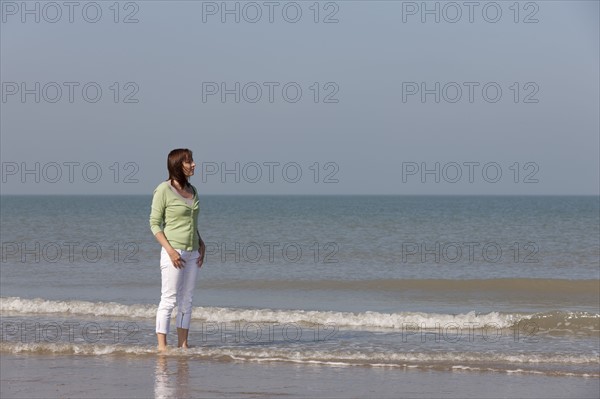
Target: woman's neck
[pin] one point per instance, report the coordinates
(176, 184)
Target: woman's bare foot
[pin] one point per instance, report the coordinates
(182, 336)
(162, 342)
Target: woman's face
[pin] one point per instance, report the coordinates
(188, 167)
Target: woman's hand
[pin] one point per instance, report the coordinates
(176, 259)
(201, 251)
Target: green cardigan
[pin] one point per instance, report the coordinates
(176, 219)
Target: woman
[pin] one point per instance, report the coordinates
(174, 223)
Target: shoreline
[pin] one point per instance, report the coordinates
(36, 376)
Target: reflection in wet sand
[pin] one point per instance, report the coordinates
(171, 377)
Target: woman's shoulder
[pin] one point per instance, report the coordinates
(162, 186)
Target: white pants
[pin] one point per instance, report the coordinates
(177, 290)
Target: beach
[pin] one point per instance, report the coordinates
(342, 296)
(180, 375)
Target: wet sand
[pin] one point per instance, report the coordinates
(110, 376)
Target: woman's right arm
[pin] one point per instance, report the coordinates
(157, 217)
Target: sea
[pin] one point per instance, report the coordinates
(452, 285)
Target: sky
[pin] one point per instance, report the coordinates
(304, 97)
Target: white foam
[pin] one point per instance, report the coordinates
(406, 320)
(18, 305)
(452, 360)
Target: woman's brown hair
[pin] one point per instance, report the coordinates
(175, 162)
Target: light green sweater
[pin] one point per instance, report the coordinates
(176, 219)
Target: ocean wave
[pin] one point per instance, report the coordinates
(578, 364)
(553, 321)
